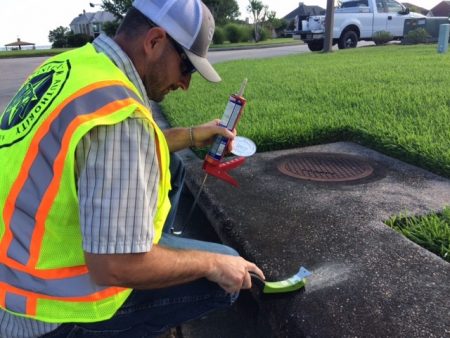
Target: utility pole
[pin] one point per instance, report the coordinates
(329, 22)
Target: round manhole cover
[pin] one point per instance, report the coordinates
(325, 167)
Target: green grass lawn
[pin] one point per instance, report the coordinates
(431, 232)
(394, 99)
(31, 52)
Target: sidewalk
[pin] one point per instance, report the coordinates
(367, 280)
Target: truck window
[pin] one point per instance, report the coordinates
(388, 6)
(354, 3)
(394, 6)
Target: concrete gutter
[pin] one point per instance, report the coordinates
(368, 280)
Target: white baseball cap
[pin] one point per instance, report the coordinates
(190, 24)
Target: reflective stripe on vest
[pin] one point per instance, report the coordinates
(38, 182)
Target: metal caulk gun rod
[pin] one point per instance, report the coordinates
(243, 85)
(194, 204)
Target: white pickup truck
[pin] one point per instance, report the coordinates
(356, 20)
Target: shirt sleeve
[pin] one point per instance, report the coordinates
(118, 175)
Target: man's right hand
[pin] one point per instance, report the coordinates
(232, 273)
(164, 267)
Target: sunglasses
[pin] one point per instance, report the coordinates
(186, 66)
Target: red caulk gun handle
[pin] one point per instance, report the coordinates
(221, 170)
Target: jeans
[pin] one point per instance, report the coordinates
(149, 313)
(177, 173)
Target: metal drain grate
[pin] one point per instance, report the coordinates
(325, 167)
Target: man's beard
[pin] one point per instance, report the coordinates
(154, 81)
(153, 91)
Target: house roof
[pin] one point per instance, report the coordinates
(103, 16)
(441, 9)
(19, 43)
(304, 10)
(87, 17)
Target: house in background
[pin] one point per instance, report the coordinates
(91, 23)
(441, 9)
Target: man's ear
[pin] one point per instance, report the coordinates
(154, 40)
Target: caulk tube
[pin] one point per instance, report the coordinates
(230, 118)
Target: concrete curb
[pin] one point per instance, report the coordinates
(368, 280)
(254, 47)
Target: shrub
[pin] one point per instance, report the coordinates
(233, 33)
(110, 27)
(219, 36)
(78, 40)
(247, 33)
(418, 35)
(60, 43)
(381, 37)
(264, 34)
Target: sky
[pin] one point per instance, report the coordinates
(32, 20)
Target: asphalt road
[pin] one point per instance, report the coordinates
(14, 71)
(257, 53)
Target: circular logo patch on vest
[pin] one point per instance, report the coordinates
(32, 101)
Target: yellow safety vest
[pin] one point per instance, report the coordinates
(43, 274)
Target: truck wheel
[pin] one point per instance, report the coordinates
(315, 45)
(348, 39)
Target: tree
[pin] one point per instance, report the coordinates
(272, 21)
(77, 40)
(58, 37)
(110, 28)
(274, 24)
(117, 7)
(223, 11)
(258, 10)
